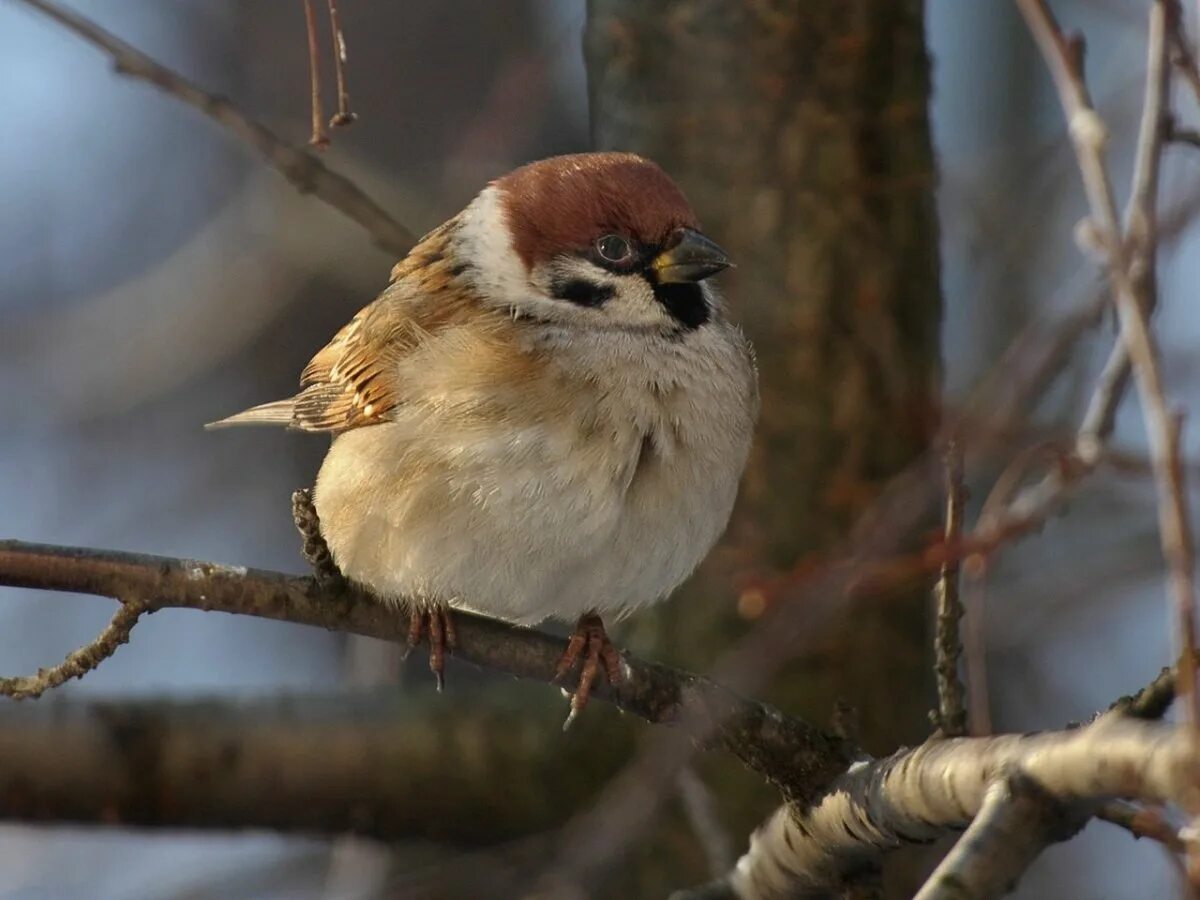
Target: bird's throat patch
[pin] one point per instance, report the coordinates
(685, 302)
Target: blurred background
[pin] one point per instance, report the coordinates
(157, 276)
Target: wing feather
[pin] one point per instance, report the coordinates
(352, 381)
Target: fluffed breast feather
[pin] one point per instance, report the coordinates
(354, 380)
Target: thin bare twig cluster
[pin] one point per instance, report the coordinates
(343, 116)
(307, 173)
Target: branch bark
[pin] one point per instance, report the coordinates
(920, 794)
(1010, 830)
(785, 750)
(951, 714)
(79, 662)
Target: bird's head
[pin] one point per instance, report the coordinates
(593, 240)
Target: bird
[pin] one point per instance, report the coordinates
(545, 414)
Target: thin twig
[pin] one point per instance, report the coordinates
(1182, 56)
(1142, 822)
(307, 173)
(1034, 504)
(951, 715)
(1153, 701)
(1130, 272)
(79, 662)
(1031, 507)
(344, 116)
(319, 137)
(1189, 136)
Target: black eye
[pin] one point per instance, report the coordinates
(614, 248)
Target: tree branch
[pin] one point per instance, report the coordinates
(785, 750)
(382, 764)
(79, 662)
(1010, 830)
(951, 715)
(1130, 271)
(320, 135)
(307, 173)
(781, 858)
(343, 116)
(920, 794)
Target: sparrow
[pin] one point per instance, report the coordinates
(545, 413)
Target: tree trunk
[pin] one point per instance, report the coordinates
(799, 130)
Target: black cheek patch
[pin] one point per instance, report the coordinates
(582, 292)
(685, 302)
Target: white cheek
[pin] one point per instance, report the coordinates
(501, 277)
(484, 237)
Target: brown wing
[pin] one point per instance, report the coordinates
(352, 380)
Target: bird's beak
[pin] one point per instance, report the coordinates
(692, 257)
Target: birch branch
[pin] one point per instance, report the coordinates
(1010, 830)
(918, 795)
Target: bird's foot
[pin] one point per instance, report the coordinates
(316, 551)
(438, 623)
(590, 643)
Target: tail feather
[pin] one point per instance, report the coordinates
(278, 412)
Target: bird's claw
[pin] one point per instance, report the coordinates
(588, 643)
(438, 622)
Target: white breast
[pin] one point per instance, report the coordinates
(607, 505)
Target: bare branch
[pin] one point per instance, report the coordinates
(785, 750)
(1142, 823)
(1152, 701)
(1189, 136)
(917, 795)
(320, 136)
(1130, 272)
(951, 715)
(381, 763)
(307, 173)
(1182, 56)
(788, 866)
(344, 116)
(1032, 506)
(79, 662)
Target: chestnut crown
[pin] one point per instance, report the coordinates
(566, 203)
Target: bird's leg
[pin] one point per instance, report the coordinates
(437, 620)
(590, 643)
(316, 551)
